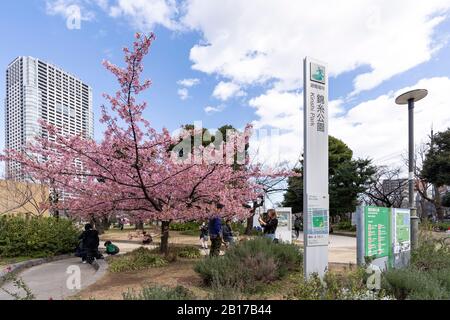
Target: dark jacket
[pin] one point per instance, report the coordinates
(90, 239)
(227, 232)
(215, 227)
(203, 231)
(271, 226)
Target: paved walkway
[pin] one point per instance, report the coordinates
(50, 280)
(341, 249)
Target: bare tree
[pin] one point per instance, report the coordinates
(387, 188)
(428, 193)
(31, 199)
(270, 185)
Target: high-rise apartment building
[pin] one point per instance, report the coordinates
(39, 90)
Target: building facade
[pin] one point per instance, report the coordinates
(38, 90)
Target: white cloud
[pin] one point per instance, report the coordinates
(226, 90)
(211, 109)
(253, 41)
(183, 93)
(191, 82)
(377, 128)
(141, 14)
(145, 14)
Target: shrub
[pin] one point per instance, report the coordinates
(159, 293)
(188, 252)
(249, 264)
(184, 226)
(37, 236)
(345, 226)
(348, 286)
(432, 254)
(412, 283)
(226, 291)
(442, 226)
(138, 259)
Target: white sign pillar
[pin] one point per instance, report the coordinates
(315, 171)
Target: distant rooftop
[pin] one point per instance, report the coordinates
(51, 65)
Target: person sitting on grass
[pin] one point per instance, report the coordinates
(147, 239)
(111, 249)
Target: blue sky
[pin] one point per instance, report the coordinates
(255, 48)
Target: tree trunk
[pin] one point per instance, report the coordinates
(438, 205)
(106, 224)
(164, 247)
(249, 227)
(140, 226)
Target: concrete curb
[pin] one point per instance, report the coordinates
(17, 267)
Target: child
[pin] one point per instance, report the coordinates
(111, 248)
(204, 236)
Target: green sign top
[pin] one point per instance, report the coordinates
(377, 231)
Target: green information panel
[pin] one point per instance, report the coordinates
(318, 221)
(402, 226)
(377, 231)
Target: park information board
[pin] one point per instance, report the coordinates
(402, 233)
(315, 177)
(377, 232)
(383, 234)
(317, 226)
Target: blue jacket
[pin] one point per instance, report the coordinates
(215, 227)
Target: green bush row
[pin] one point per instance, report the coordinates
(249, 265)
(345, 226)
(184, 226)
(427, 277)
(36, 236)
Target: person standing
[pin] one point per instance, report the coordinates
(270, 225)
(215, 232)
(121, 224)
(204, 235)
(297, 225)
(227, 232)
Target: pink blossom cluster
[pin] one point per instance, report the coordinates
(131, 171)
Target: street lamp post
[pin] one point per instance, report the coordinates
(409, 98)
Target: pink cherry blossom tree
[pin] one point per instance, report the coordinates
(135, 170)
